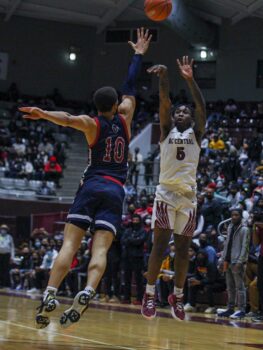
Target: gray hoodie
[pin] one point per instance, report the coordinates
(240, 244)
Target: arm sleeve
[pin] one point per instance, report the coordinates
(129, 86)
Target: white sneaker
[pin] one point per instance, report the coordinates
(189, 308)
(210, 310)
(33, 290)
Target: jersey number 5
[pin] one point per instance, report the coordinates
(180, 153)
(119, 145)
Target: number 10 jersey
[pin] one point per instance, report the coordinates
(179, 153)
(108, 155)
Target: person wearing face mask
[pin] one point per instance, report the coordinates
(234, 195)
(235, 256)
(207, 248)
(211, 209)
(7, 254)
(144, 209)
(132, 242)
(205, 278)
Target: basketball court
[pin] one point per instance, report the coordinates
(121, 327)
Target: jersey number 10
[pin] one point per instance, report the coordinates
(118, 150)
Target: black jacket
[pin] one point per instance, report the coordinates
(133, 243)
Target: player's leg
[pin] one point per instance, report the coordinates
(72, 239)
(101, 243)
(184, 229)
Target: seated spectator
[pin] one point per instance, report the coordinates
(206, 279)
(53, 171)
(145, 209)
(17, 275)
(19, 147)
(45, 191)
(216, 143)
(207, 248)
(46, 147)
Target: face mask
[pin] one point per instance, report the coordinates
(203, 244)
(136, 225)
(240, 181)
(37, 244)
(3, 232)
(148, 221)
(172, 254)
(260, 183)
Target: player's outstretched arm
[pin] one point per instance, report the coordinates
(164, 95)
(82, 122)
(128, 104)
(186, 70)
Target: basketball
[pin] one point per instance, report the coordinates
(158, 10)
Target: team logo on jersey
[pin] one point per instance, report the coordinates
(115, 128)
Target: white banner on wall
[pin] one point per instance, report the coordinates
(3, 65)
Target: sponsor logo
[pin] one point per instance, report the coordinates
(115, 128)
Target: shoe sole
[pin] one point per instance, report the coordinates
(73, 314)
(149, 318)
(42, 320)
(174, 315)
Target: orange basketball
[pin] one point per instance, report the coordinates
(158, 10)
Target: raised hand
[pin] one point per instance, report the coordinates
(158, 69)
(33, 113)
(143, 41)
(186, 68)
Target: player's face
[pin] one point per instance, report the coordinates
(183, 117)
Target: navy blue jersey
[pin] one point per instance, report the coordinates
(108, 155)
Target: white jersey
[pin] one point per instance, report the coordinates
(179, 160)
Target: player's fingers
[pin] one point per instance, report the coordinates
(25, 109)
(186, 60)
(27, 116)
(183, 60)
(149, 39)
(131, 44)
(179, 63)
(142, 32)
(146, 34)
(138, 33)
(192, 62)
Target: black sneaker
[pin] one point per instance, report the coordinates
(80, 305)
(45, 309)
(258, 318)
(226, 313)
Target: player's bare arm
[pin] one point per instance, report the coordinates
(83, 123)
(128, 104)
(186, 71)
(164, 95)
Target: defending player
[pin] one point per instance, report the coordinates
(100, 197)
(175, 203)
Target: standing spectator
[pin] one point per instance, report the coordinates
(133, 250)
(53, 171)
(211, 209)
(137, 159)
(235, 256)
(258, 240)
(7, 252)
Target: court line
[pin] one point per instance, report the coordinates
(68, 335)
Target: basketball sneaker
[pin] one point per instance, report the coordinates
(225, 313)
(48, 305)
(80, 305)
(177, 307)
(148, 309)
(238, 315)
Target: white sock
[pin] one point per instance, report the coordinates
(179, 292)
(49, 289)
(150, 289)
(89, 289)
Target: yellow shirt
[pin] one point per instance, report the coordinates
(217, 145)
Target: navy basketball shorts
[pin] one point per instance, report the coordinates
(98, 201)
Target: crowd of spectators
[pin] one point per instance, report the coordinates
(230, 186)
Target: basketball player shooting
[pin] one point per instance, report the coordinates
(175, 203)
(100, 196)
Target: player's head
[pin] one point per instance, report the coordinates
(183, 117)
(106, 99)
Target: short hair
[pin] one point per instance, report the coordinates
(190, 107)
(104, 98)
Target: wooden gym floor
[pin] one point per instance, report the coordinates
(107, 327)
